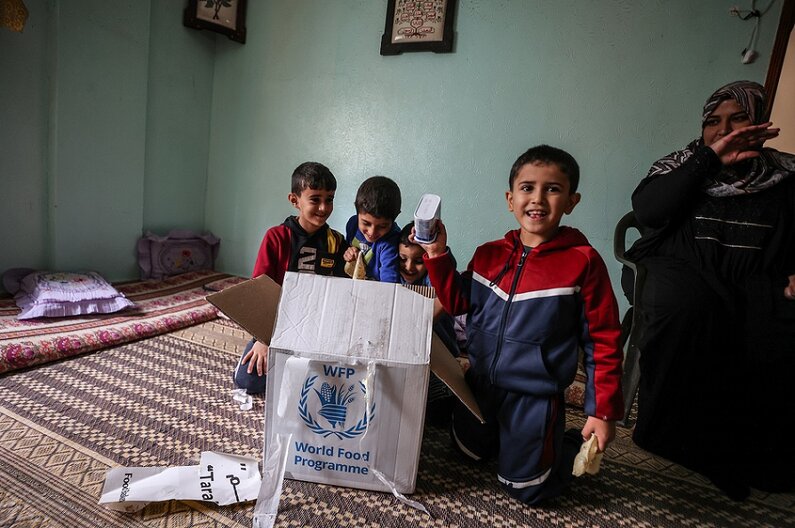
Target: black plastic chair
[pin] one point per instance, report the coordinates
(631, 323)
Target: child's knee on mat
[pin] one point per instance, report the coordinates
(538, 491)
(252, 383)
(530, 495)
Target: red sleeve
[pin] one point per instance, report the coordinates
(451, 286)
(273, 256)
(603, 356)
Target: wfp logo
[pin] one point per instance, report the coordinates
(333, 404)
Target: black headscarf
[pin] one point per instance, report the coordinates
(754, 175)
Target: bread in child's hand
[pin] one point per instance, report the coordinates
(356, 269)
(588, 459)
(350, 267)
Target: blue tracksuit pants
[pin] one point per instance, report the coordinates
(526, 434)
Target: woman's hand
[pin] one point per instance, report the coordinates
(744, 143)
(789, 291)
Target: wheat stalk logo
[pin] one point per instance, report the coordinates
(334, 403)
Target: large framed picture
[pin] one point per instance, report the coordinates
(227, 17)
(418, 25)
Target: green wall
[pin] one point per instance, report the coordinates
(104, 129)
(177, 121)
(98, 132)
(115, 118)
(618, 84)
(24, 64)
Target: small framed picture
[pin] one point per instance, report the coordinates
(424, 25)
(227, 17)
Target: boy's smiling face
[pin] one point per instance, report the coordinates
(314, 207)
(412, 267)
(373, 227)
(539, 198)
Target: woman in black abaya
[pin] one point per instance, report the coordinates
(718, 341)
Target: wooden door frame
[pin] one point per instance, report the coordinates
(779, 51)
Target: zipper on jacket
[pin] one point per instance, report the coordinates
(504, 320)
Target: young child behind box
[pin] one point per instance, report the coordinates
(303, 243)
(373, 232)
(533, 299)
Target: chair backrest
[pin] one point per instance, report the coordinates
(631, 323)
(627, 222)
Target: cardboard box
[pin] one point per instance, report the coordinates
(348, 372)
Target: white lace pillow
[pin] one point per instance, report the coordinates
(61, 294)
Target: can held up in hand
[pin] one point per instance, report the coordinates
(426, 216)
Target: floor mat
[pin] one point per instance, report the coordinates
(163, 400)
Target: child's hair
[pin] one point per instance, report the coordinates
(378, 196)
(544, 154)
(313, 175)
(404, 235)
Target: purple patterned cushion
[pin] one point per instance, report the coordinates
(60, 294)
(178, 252)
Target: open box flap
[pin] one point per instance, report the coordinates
(253, 304)
(447, 369)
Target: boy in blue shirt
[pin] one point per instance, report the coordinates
(372, 230)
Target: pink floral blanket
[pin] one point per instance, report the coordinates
(160, 306)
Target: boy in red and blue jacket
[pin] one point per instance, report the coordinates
(533, 300)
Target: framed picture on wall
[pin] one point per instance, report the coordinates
(227, 17)
(418, 25)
